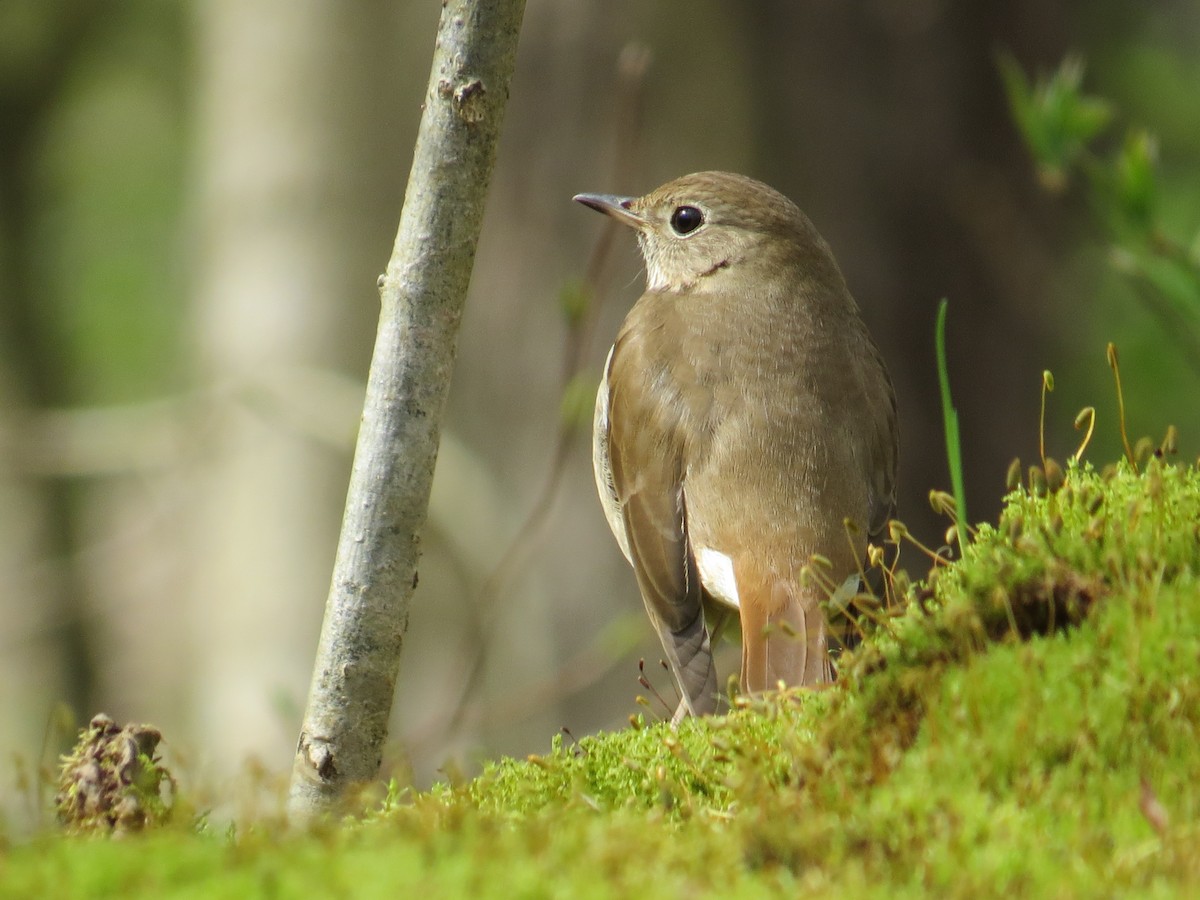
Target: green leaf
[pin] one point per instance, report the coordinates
(1055, 118)
(950, 421)
(1135, 179)
(578, 401)
(574, 299)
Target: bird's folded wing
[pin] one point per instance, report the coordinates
(644, 470)
(670, 586)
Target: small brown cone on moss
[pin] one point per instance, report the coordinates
(112, 782)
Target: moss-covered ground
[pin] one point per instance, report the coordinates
(1026, 727)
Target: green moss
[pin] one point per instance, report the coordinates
(1027, 726)
(682, 772)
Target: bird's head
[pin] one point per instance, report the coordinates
(703, 225)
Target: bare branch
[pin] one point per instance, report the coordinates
(422, 293)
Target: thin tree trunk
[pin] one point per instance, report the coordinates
(292, 198)
(422, 295)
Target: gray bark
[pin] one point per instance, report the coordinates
(422, 296)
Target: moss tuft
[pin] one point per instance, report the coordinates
(1027, 725)
(112, 782)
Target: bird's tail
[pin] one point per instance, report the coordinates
(784, 639)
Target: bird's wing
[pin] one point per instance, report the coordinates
(643, 469)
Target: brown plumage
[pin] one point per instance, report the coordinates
(744, 415)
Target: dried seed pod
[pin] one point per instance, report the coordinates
(1037, 481)
(1170, 444)
(1012, 478)
(1016, 527)
(1055, 476)
(943, 503)
(1142, 451)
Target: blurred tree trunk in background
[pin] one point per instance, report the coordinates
(297, 183)
(42, 640)
(901, 148)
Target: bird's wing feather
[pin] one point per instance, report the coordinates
(644, 459)
(602, 464)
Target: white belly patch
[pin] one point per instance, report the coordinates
(716, 574)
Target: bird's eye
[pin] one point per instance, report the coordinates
(686, 219)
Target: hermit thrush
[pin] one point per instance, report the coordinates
(745, 424)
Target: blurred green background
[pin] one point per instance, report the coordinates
(196, 200)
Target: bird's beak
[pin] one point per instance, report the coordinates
(617, 207)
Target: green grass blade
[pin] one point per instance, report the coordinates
(950, 419)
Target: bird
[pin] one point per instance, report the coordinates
(745, 426)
